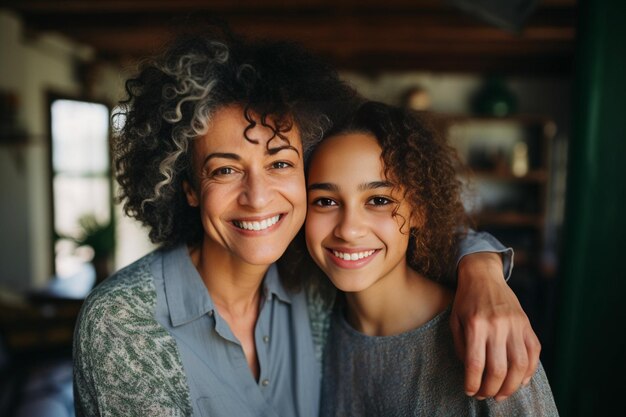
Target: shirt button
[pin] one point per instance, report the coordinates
(266, 339)
(265, 382)
(211, 313)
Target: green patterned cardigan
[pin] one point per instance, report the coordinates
(125, 363)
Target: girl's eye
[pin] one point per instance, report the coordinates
(379, 201)
(324, 202)
(281, 165)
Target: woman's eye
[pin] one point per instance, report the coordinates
(223, 171)
(379, 201)
(324, 202)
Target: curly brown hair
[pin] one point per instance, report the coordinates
(172, 100)
(420, 162)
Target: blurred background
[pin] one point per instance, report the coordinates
(530, 92)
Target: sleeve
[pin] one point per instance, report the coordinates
(535, 400)
(319, 310)
(123, 366)
(474, 242)
(85, 402)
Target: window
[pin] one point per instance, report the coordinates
(81, 185)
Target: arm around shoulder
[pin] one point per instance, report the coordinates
(491, 331)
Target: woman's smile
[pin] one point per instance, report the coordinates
(251, 193)
(252, 225)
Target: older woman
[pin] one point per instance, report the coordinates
(210, 159)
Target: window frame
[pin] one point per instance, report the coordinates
(51, 97)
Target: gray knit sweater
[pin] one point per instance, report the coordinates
(412, 374)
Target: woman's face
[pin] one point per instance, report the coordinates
(357, 227)
(252, 196)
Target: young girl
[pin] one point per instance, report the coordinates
(384, 213)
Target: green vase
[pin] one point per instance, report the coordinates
(494, 99)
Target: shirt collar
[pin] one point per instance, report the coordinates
(187, 296)
(273, 287)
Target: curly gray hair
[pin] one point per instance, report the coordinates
(173, 98)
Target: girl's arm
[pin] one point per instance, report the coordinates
(492, 334)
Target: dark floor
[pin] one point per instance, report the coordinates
(37, 387)
(36, 330)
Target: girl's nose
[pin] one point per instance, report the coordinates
(351, 225)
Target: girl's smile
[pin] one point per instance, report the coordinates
(357, 226)
(351, 258)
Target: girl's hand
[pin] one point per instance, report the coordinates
(491, 332)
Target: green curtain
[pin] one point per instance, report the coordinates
(589, 378)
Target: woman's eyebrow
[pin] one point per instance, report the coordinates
(274, 151)
(224, 155)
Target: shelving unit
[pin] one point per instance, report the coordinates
(507, 194)
(508, 183)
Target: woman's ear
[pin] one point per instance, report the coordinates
(190, 193)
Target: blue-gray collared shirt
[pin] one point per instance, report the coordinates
(219, 379)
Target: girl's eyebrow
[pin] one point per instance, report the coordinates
(324, 186)
(327, 186)
(374, 185)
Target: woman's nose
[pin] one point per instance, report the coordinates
(257, 192)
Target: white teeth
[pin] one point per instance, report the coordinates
(262, 225)
(354, 256)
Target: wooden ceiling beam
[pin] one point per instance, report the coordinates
(94, 6)
(147, 6)
(366, 27)
(363, 34)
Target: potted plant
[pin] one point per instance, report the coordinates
(101, 238)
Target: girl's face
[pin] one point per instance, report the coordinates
(351, 230)
(252, 197)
